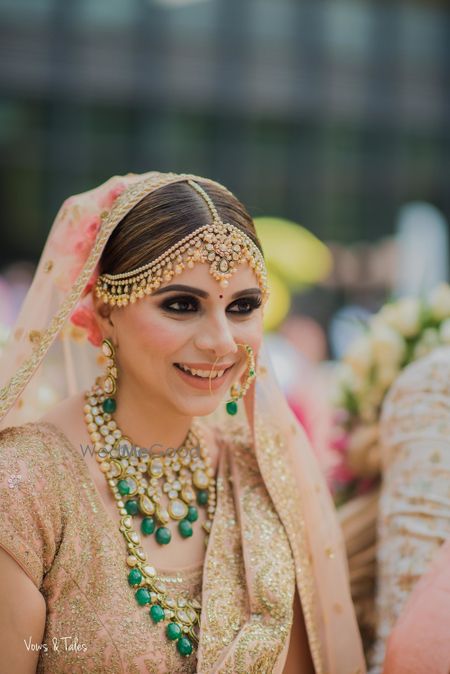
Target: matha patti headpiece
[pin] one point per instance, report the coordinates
(223, 245)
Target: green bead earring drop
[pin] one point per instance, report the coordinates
(231, 405)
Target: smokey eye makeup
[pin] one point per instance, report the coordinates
(184, 304)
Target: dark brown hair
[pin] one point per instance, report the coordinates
(164, 217)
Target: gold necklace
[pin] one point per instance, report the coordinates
(187, 478)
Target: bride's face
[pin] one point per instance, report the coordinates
(177, 327)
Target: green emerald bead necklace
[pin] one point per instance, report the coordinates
(163, 535)
(185, 528)
(173, 631)
(148, 526)
(160, 488)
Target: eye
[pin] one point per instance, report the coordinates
(187, 304)
(181, 303)
(246, 305)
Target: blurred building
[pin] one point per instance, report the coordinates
(331, 113)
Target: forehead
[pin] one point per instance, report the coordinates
(199, 276)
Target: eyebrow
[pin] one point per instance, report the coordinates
(203, 293)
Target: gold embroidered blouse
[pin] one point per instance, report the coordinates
(55, 526)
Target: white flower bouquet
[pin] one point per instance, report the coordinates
(401, 332)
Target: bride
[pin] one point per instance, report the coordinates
(167, 515)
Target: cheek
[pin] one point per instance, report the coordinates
(147, 332)
(250, 333)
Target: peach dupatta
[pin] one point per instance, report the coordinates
(301, 497)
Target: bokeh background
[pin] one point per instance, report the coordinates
(331, 115)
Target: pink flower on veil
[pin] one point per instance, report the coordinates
(84, 317)
(71, 240)
(80, 224)
(107, 200)
(82, 245)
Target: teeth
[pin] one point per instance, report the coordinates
(202, 373)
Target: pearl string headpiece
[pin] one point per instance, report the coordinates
(223, 245)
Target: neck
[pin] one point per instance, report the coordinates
(149, 424)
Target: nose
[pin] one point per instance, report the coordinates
(214, 335)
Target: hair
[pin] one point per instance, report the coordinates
(165, 216)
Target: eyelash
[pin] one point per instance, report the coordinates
(253, 302)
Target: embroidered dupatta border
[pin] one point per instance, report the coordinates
(287, 499)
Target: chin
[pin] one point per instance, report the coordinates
(200, 408)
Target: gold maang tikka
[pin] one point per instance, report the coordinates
(223, 245)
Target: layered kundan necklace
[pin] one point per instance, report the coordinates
(162, 487)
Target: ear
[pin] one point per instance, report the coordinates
(103, 315)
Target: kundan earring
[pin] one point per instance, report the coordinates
(110, 382)
(235, 392)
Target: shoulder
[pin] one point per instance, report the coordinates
(430, 374)
(419, 400)
(32, 496)
(33, 442)
(33, 453)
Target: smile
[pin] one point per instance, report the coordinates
(203, 378)
(202, 373)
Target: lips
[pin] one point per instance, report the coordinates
(204, 383)
(204, 371)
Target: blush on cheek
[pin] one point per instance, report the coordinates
(252, 336)
(151, 333)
